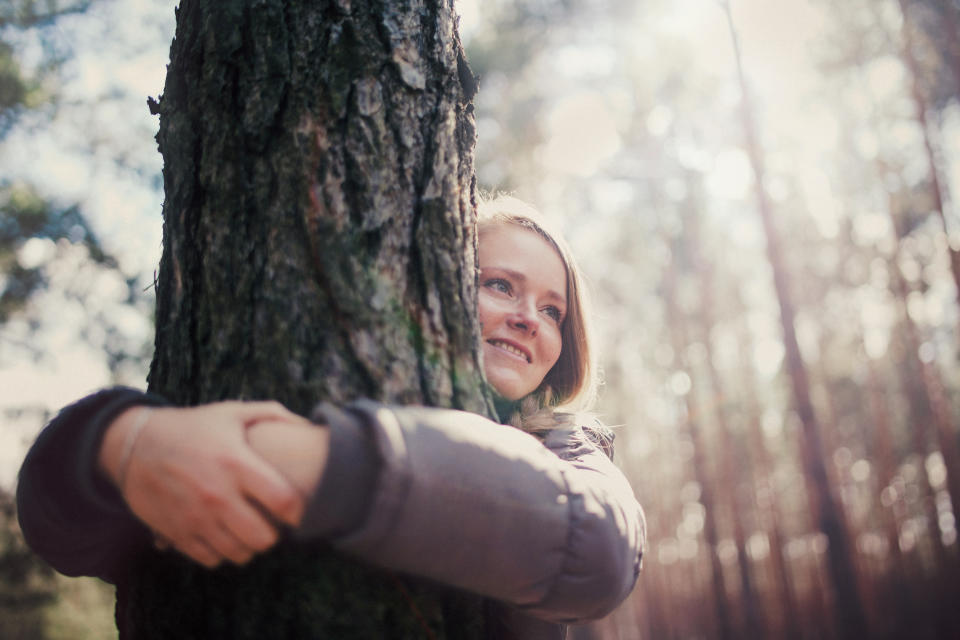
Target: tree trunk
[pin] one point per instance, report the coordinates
(768, 504)
(950, 12)
(707, 481)
(847, 602)
(927, 404)
(318, 245)
(901, 606)
(729, 478)
(937, 189)
(732, 474)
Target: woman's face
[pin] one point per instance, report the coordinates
(522, 301)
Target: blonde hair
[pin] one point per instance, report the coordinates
(570, 385)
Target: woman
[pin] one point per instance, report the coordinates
(542, 522)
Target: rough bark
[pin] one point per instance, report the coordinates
(318, 245)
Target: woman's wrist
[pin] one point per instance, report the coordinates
(298, 450)
(118, 442)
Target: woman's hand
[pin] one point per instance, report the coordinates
(192, 477)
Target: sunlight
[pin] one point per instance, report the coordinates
(581, 135)
(731, 176)
(469, 12)
(886, 77)
(659, 120)
(821, 203)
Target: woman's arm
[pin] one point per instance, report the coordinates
(189, 478)
(448, 495)
(554, 530)
(70, 515)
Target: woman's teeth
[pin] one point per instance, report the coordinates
(509, 347)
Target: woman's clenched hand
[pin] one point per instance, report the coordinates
(190, 475)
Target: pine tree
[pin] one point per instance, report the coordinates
(318, 245)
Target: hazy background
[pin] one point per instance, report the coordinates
(625, 120)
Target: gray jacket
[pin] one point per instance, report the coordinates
(551, 529)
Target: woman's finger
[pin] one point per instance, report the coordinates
(193, 476)
(298, 451)
(269, 488)
(250, 412)
(199, 551)
(227, 546)
(249, 526)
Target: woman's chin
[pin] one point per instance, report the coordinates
(507, 387)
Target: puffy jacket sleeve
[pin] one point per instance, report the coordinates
(69, 515)
(552, 528)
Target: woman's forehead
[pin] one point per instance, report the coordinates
(525, 255)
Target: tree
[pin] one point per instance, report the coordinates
(849, 607)
(318, 245)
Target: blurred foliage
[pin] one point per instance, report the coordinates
(27, 585)
(27, 218)
(31, 13)
(37, 604)
(40, 235)
(13, 87)
(40, 239)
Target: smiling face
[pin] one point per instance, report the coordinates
(522, 304)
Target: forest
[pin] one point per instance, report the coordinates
(761, 195)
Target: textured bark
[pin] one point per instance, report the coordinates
(318, 245)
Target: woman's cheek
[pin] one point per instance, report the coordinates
(556, 345)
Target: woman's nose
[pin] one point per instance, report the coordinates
(524, 319)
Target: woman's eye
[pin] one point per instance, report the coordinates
(498, 284)
(553, 313)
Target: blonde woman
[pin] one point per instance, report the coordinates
(533, 516)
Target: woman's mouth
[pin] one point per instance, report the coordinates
(512, 349)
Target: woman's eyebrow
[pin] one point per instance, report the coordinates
(520, 277)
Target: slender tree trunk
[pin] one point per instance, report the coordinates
(938, 189)
(849, 608)
(902, 607)
(730, 476)
(926, 397)
(925, 391)
(706, 480)
(927, 403)
(791, 620)
(318, 245)
(934, 388)
(950, 30)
